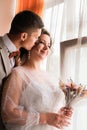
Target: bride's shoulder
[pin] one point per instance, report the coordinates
(18, 69)
(19, 72)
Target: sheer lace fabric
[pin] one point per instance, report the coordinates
(26, 95)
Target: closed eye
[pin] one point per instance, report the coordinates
(44, 43)
(41, 42)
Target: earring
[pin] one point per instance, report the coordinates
(29, 55)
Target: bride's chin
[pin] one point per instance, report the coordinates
(42, 57)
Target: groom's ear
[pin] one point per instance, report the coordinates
(24, 36)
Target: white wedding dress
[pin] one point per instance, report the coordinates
(40, 94)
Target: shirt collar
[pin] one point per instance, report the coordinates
(8, 43)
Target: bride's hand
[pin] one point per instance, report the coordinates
(53, 119)
(66, 111)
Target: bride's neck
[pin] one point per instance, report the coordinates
(33, 65)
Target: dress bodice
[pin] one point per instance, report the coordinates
(41, 92)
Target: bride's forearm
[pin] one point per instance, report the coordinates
(15, 116)
(21, 117)
(43, 118)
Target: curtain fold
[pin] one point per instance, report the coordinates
(36, 6)
(52, 20)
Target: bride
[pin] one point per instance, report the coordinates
(31, 99)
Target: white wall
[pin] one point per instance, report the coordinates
(7, 12)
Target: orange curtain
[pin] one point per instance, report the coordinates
(36, 6)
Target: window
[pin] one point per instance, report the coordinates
(74, 66)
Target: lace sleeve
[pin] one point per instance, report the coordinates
(12, 112)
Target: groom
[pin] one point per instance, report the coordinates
(25, 29)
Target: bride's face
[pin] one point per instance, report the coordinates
(42, 47)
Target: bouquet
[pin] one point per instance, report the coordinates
(72, 91)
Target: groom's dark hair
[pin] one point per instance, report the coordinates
(25, 21)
